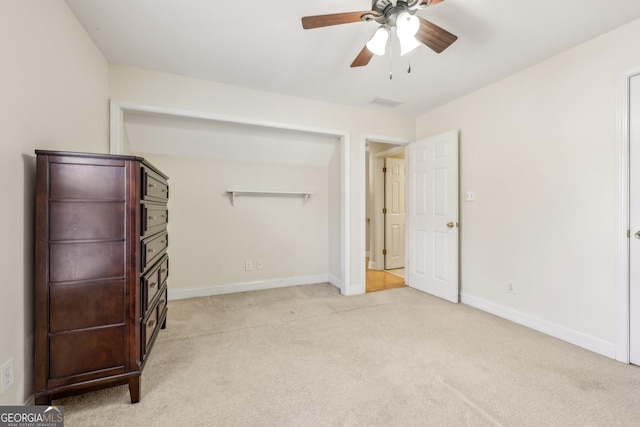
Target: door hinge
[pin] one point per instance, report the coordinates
(384, 170)
(384, 252)
(384, 210)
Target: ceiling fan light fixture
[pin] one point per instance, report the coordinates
(407, 24)
(378, 42)
(407, 43)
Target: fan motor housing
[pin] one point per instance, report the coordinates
(389, 12)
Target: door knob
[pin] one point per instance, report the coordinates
(454, 224)
(637, 235)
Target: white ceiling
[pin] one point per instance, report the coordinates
(261, 44)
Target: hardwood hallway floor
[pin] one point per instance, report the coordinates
(380, 280)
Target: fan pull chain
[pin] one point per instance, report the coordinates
(390, 61)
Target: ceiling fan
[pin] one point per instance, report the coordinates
(399, 14)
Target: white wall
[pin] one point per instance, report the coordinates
(171, 91)
(539, 149)
(53, 82)
(210, 239)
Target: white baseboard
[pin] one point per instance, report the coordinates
(335, 281)
(366, 254)
(205, 291)
(354, 290)
(580, 339)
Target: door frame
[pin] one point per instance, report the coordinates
(623, 301)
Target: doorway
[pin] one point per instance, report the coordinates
(385, 231)
(431, 237)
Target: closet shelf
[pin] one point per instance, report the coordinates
(304, 194)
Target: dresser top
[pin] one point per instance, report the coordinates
(99, 156)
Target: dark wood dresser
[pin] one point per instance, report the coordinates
(101, 271)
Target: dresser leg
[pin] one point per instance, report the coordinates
(164, 324)
(134, 389)
(43, 400)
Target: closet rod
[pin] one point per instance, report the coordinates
(304, 194)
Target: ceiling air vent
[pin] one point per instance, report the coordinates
(386, 102)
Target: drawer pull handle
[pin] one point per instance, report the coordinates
(162, 301)
(151, 250)
(152, 285)
(152, 217)
(151, 323)
(163, 216)
(163, 270)
(163, 241)
(164, 190)
(152, 186)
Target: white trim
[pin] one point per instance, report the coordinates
(384, 139)
(391, 151)
(359, 289)
(622, 288)
(334, 281)
(116, 139)
(345, 223)
(597, 345)
(145, 108)
(205, 291)
(116, 129)
(376, 228)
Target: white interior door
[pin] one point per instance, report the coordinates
(395, 214)
(634, 220)
(432, 215)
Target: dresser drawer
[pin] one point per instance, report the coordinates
(153, 248)
(151, 283)
(153, 321)
(154, 187)
(162, 303)
(154, 218)
(164, 270)
(149, 325)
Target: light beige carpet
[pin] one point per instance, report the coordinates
(307, 356)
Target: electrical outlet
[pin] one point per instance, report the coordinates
(7, 375)
(511, 288)
(248, 265)
(259, 265)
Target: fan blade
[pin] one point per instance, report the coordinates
(309, 22)
(363, 58)
(436, 38)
